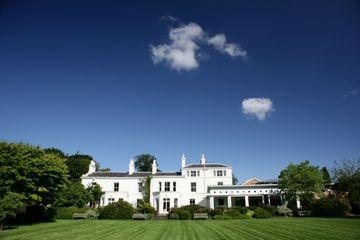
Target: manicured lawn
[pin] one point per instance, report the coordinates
(278, 228)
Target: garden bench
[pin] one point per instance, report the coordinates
(79, 216)
(304, 213)
(139, 216)
(200, 216)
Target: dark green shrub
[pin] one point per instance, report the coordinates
(284, 211)
(216, 211)
(232, 213)
(68, 212)
(179, 213)
(330, 206)
(241, 210)
(261, 213)
(34, 214)
(173, 216)
(194, 209)
(356, 207)
(184, 214)
(146, 208)
(272, 210)
(119, 210)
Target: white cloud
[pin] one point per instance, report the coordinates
(350, 93)
(183, 51)
(220, 43)
(180, 54)
(169, 18)
(259, 108)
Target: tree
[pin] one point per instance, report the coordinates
(326, 175)
(347, 178)
(104, 170)
(55, 151)
(143, 162)
(10, 205)
(95, 194)
(30, 171)
(78, 165)
(234, 179)
(73, 194)
(302, 180)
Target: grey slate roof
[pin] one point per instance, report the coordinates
(135, 174)
(206, 165)
(269, 181)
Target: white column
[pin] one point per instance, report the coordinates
(211, 199)
(229, 201)
(269, 202)
(263, 199)
(246, 201)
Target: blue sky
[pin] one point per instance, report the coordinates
(82, 76)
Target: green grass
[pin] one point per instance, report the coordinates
(276, 228)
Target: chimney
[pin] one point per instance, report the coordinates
(92, 167)
(131, 167)
(183, 161)
(154, 167)
(202, 159)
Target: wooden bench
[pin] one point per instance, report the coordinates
(139, 216)
(304, 213)
(79, 216)
(200, 216)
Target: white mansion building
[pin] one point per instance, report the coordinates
(206, 184)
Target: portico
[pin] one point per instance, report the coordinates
(239, 195)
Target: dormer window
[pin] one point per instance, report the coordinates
(193, 173)
(219, 173)
(224, 173)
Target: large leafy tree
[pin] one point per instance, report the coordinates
(78, 165)
(30, 171)
(143, 162)
(347, 178)
(302, 180)
(73, 194)
(326, 175)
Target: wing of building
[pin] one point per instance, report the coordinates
(206, 184)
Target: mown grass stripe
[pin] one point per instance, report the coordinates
(276, 228)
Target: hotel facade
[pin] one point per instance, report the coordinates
(206, 184)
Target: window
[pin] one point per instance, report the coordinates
(174, 186)
(166, 204)
(159, 186)
(111, 200)
(138, 202)
(193, 173)
(93, 183)
(214, 173)
(140, 186)
(192, 201)
(220, 183)
(219, 173)
(116, 187)
(175, 202)
(187, 173)
(167, 186)
(224, 172)
(193, 186)
(198, 173)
